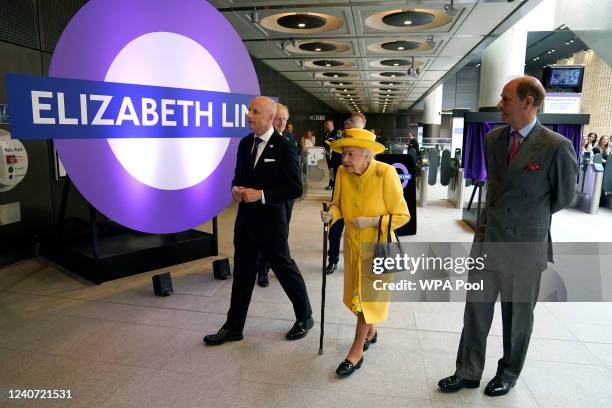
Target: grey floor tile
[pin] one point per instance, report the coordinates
(603, 352)
(591, 332)
(561, 385)
(561, 351)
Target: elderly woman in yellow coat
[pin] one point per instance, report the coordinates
(366, 192)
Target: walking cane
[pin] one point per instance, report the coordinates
(323, 271)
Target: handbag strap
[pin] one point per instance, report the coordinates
(388, 228)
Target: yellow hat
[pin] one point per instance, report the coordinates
(358, 138)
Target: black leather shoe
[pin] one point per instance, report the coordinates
(331, 268)
(300, 329)
(262, 280)
(221, 337)
(346, 368)
(455, 383)
(498, 386)
(374, 339)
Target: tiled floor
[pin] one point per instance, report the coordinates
(116, 345)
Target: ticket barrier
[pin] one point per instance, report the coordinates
(422, 183)
(456, 184)
(591, 183)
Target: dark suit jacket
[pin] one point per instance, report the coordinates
(522, 197)
(277, 173)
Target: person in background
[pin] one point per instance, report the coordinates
(308, 140)
(587, 147)
(592, 136)
(357, 120)
(329, 135)
(413, 143)
(603, 148)
(289, 135)
(366, 193)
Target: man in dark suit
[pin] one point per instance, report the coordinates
(413, 143)
(266, 176)
(279, 124)
(333, 159)
(531, 175)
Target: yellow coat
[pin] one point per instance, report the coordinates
(378, 191)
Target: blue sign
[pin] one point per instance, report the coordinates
(58, 108)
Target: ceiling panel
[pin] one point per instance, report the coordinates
(434, 40)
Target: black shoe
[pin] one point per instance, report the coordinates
(498, 386)
(222, 336)
(455, 383)
(262, 280)
(331, 268)
(346, 368)
(300, 329)
(374, 339)
(328, 188)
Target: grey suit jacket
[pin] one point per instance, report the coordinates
(521, 198)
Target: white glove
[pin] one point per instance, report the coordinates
(326, 216)
(364, 222)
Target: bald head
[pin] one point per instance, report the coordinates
(520, 100)
(262, 111)
(529, 86)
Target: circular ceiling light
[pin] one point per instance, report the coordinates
(301, 21)
(345, 89)
(327, 63)
(392, 74)
(390, 83)
(408, 18)
(395, 63)
(401, 45)
(335, 74)
(317, 46)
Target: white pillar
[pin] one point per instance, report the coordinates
(433, 107)
(432, 117)
(504, 59)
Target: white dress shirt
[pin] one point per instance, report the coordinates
(260, 148)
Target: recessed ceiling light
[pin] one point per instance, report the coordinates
(400, 48)
(335, 76)
(328, 64)
(395, 64)
(317, 49)
(392, 75)
(407, 22)
(301, 25)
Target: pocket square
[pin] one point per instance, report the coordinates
(533, 167)
(269, 160)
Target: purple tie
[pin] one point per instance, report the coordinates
(514, 146)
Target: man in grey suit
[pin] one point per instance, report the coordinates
(531, 175)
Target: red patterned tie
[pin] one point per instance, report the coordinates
(514, 146)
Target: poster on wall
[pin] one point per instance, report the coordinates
(562, 102)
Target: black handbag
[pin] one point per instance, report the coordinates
(388, 249)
